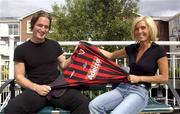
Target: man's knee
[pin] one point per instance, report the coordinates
(12, 108)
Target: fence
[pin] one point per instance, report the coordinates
(7, 67)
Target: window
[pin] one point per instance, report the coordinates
(29, 26)
(13, 29)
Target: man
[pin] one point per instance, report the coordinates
(36, 66)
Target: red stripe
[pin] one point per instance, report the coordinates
(81, 60)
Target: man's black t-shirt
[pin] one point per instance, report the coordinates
(41, 64)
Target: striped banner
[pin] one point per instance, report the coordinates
(90, 67)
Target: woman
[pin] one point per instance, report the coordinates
(145, 57)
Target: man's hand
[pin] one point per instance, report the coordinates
(42, 89)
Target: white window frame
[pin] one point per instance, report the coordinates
(28, 23)
(13, 29)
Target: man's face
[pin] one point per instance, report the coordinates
(41, 29)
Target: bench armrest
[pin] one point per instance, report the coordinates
(175, 94)
(7, 83)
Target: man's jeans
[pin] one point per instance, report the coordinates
(124, 99)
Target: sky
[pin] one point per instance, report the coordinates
(18, 8)
(159, 7)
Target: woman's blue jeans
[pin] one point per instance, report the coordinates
(124, 99)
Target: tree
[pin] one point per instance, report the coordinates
(94, 19)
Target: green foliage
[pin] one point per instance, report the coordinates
(177, 72)
(96, 19)
(5, 72)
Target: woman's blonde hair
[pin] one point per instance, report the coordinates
(152, 27)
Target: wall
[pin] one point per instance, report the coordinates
(3, 29)
(174, 31)
(24, 35)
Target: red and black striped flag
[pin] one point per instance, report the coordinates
(90, 67)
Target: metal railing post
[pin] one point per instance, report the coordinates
(11, 53)
(174, 73)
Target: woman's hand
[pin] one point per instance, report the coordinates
(134, 78)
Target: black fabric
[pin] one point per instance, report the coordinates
(41, 66)
(147, 64)
(30, 102)
(40, 60)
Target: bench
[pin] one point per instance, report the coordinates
(153, 105)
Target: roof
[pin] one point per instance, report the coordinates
(178, 14)
(161, 18)
(20, 18)
(17, 19)
(8, 19)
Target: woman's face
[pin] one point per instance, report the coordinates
(141, 32)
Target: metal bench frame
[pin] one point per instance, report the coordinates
(153, 105)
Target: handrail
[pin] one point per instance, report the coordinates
(108, 43)
(176, 95)
(9, 95)
(168, 43)
(5, 84)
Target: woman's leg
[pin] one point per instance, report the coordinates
(105, 102)
(72, 100)
(27, 102)
(135, 101)
(132, 104)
